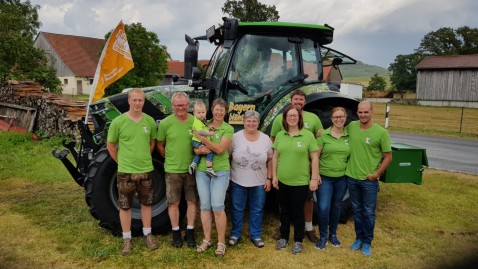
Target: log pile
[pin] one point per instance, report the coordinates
(56, 114)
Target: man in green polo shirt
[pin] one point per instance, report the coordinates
(370, 155)
(134, 132)
(313, 124)
(174, 144)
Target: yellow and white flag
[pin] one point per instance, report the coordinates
(115, 62)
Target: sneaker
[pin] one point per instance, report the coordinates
(311, 236)
(150, 242)
(276, 236)
(258, 242)
(297, 248)
(177, 240)
(356, 245)
(334, 240)
(281, 244)
(210, 172)
(127, 247)
(322, 243)
(366, 249)
(192, 168)
(189, 238)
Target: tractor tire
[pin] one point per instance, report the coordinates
(101, 195)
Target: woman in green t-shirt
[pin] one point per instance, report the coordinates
(212, 189)
(334, 152)
(294, 173)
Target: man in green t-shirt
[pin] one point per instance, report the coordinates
(134, 133)
(370, 155)
(174, 144)
(311, 123)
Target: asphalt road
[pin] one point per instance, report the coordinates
(451, 154)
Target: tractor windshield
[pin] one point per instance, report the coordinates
(266, 67)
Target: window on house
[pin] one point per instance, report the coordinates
(91, 81)
(65, 81)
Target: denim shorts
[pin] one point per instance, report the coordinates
(129, 184)
(212, 190)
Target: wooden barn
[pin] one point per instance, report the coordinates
(74, 57)
(448, 81)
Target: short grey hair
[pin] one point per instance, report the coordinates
(251, 113)
(176, 94)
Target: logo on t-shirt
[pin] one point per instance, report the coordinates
(190, 132)
(299, 144)
(346, 141)
(368, 141)
(146, 129)
(218, 136)
(306, 125)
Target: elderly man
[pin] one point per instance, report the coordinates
(370, 155)
(174, 144)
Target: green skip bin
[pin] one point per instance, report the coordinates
(407, 164)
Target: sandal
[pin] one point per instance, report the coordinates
(220, 250)
(233, 241)
(258, 242)
(204, 246)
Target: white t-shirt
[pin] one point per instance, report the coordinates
(248, 165)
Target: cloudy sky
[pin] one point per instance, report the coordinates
(371, 31)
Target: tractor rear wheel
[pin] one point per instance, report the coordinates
(101, 195)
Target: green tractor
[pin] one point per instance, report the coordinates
(256, 65)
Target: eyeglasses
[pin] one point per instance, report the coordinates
(292, 116)
(180, 105)
(338, 117)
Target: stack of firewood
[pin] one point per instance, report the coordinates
(56, 114)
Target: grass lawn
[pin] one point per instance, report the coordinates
(45, 223)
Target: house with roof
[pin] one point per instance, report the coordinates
(75, 59)
(448, 80)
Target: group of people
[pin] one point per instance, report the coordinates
(205, 158)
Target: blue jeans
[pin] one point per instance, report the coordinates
(239, 197)
(363, 194)
(329, 197)
(212, 191)
(197, 158)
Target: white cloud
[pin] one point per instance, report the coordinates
(369, 30)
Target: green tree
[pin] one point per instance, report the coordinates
(403, 73)
(449, 41)
(18, 58)
(149, 56)
(250, 10)
(377, 83)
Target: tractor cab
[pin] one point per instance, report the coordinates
(255, 65)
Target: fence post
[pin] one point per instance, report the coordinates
(461, 119)
(387, 109)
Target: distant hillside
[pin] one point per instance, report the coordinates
(361, 69)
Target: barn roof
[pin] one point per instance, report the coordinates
(80, 54)
(449, 62)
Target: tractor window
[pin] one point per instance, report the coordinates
(311, 61)
(218, 64)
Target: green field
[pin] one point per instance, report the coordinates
(45, 223)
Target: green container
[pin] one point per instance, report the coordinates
(407, 164)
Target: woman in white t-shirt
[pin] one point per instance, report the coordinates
(251, 172)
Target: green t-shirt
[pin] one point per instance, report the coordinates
(366, 148)
(221, 161)
(293, 166)
(311, 123)
(177, 137)
(133, 139)
(335, 153)
(197, 126)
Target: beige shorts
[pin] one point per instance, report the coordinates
(176, 182)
